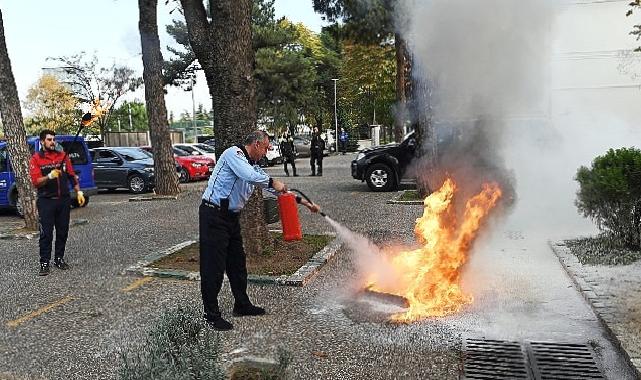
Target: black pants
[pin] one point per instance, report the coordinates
(289, 159)
(342, 145)
(316, 159)
(53, 213)
(221, 250)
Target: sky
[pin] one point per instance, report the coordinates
(36, 30)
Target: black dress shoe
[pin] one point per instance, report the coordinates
(241, 311)
(218, 323)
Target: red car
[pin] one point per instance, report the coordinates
(191, 167)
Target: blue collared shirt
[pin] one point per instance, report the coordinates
(234, 178)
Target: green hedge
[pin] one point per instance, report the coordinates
(610, 194)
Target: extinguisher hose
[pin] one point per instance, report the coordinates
(306, 198)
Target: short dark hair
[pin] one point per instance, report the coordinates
(255, 136)
(45, 132)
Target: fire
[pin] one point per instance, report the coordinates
(429, 277)
(96, 111)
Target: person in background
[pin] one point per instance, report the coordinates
(317, 147)
(288, 151)
(342, 140)
(51, 176)
(221, 246)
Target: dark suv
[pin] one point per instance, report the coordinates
(382, 167)
(123, 167)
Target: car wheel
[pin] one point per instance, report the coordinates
(183, 175)
(136, 184)
(380, 177)
(19, 208)
(74, 202)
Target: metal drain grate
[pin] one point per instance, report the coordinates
(562, 361)
(494, 359)
(498, 359)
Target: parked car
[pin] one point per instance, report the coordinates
(198, 149)
(382, 167)
(273, 155)
(302, 146)
(79, 156)
(190, 167)
(123, 167)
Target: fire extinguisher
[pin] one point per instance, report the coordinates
(288, 211)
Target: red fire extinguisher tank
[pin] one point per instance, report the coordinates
(288, 210)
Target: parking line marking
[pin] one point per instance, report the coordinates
(42, 310)
(136, 284)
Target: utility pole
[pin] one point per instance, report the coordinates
(193, 107)
(335, 118)
(130, 123)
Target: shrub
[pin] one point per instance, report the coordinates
(179, 346)
(610, 194)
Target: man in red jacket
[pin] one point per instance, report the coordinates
(51, 177)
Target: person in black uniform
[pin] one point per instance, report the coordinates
(288, 151)
(221, 246)
(316, 148)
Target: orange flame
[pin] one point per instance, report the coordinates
(429, 277)
(96, 111)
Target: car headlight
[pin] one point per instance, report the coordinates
(196, 164)
(360, 156)
(149, 170)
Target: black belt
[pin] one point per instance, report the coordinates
(217, 208)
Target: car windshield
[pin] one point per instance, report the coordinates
(205, 148)
(76, 151)
(132, 154)
(189, 149)
(180, 152)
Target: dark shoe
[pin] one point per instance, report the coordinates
(218, 323)
(319, 174)
(295, 175)
(60, 264)
(240, 311)
(312, 175)
(44, 269)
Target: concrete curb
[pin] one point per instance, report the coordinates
(35, 234)
(146, 198)
(399, 195)
(604, 313)
(300, 278)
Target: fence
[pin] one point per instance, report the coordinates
(138, 138)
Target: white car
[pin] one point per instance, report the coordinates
(198, 149)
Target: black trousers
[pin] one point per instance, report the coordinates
(53, 213)
(221, 250)
(316, 159)
(289, 159)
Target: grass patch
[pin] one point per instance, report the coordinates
(280, 257)
(601, 250)
(410, 196)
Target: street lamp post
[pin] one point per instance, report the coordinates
(335, 118)
(193, 107)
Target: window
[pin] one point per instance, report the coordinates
(4, 160)
(103, 155)
(76, 152)
(132, 154)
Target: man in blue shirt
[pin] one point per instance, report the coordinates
(221, 247)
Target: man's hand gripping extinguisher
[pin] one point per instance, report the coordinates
(288, 211)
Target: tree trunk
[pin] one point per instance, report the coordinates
(166, 177)
(11, 114)
(401, 83)
(224, 50)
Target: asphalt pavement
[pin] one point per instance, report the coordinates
(71, 325)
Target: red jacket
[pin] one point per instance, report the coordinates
(45, 161)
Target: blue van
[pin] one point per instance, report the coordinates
(80, 159)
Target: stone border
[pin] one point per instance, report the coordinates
(146, 198)
(605, 314)
(35, 234)
(300, 278)
(399, 195)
